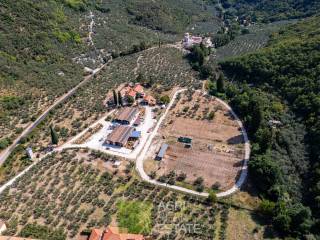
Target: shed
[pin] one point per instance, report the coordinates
(135, 134)
(162, 151)
(185, 140)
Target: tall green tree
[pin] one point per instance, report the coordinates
(257, 116)
(220, 84)
(54, 136)
(115, 97)
(120, 100)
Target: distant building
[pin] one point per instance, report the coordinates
(29, 152)
(126, 115)
(3, 227)
(207, 42)
(189, 41)
(119, 136)
(162, 151)
(113, 233)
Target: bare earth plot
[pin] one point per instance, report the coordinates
(217, 150)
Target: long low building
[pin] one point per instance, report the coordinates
(162, 151)
(126, 115)
(119, 136)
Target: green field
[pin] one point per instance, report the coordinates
(135, 216)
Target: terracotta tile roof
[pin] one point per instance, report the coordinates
(132, 93)
(96, 234)
(113, 233)
(197, 39)
(150, 99)
(138, 88)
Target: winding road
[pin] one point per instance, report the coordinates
(244, 168)
(141, 157)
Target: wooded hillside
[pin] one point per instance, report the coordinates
(285, 164)
(272, 10)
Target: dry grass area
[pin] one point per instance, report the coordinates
(90, 132)
(217, 145)
(242, 225)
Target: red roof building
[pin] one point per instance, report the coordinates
(96, 234)
(151, 101)
(113, 233)
(139, 89)
(132, 93)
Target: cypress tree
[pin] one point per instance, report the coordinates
(54, 136)
(120, 102)
(220, 84)
(115, 98)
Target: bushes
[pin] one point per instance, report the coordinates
(42, 232)
(4, 143)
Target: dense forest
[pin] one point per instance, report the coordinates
(271, 10)
(277, 93)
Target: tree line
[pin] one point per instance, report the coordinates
(277, 93)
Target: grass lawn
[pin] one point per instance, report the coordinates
(134, 216)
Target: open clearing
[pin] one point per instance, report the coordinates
(217, 150)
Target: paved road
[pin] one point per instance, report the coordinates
(244, 170)
(141, 157)
(5, 153)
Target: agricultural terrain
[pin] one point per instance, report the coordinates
(73, 191)
(162, 67)
(266, 66)
(217, 150)
(46, 44)
(257, 37)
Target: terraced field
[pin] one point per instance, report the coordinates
(164, 67)
(257, 38)
(73, 191)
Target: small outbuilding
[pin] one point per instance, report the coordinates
(162, 151)
(186, 140)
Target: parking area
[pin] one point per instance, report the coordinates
(98, 140)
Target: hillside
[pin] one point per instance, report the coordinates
(274, 10)
(287, 159)
(45, 44)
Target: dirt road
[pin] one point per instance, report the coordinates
(5, 153)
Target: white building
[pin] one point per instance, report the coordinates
(189, 41)
(29, 152)
(3, 227)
